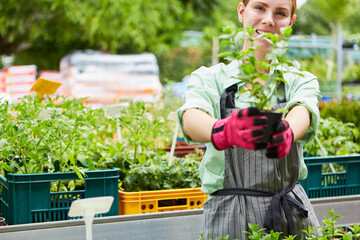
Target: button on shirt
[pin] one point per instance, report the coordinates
(204, 91)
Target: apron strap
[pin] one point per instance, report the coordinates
(227, 99)
(282, 88)
(273, 214)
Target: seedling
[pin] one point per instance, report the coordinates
(251, 69)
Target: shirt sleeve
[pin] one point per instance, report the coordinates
(304, 90)
(202, 93)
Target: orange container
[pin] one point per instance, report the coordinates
(160, 201)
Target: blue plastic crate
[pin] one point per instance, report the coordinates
(319, 184)
(26, 198)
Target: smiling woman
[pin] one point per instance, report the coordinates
(250, 181)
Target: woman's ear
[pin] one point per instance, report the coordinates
(292, 20)
(241, 8)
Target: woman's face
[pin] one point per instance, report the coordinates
(266, 16)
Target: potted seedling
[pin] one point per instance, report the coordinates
(270, 70)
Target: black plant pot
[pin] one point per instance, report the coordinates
(273, 118)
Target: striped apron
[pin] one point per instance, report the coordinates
(257, 190)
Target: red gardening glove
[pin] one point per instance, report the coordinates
(241, 129)
(281, 141)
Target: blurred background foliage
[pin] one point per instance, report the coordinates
(180, 33)
(41, 32)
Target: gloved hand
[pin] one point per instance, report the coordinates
(281, 141)
(241, 129)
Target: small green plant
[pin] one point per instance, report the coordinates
(355, 232)
(255, 233)
(252, 69)
(329, 230)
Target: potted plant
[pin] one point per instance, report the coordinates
(251, 68)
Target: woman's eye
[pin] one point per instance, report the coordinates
(259, 8)
(281, 14)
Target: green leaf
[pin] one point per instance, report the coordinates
(250, 31)
(79, 173)
(72, 159)
(71, 185)
(142, 158)
(347, 236)
(286, 32)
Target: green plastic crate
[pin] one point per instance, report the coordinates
(318, 184)
(26, 198)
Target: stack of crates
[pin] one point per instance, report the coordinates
(17, 81)
(319, 184)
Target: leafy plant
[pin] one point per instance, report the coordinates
(140, 130)
(355, 232)
(344, 111)
(253, 69)
(59, 134)
(255, 233)
(157, 174)
(334, 138)
(329, 231)
(161, 109)
(140, 155)
(54, 134)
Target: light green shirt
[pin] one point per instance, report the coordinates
(204, 91)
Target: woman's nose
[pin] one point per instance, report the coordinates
(268, 19)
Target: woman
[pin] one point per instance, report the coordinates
(248, 181)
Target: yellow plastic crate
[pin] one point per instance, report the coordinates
(160, 201)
